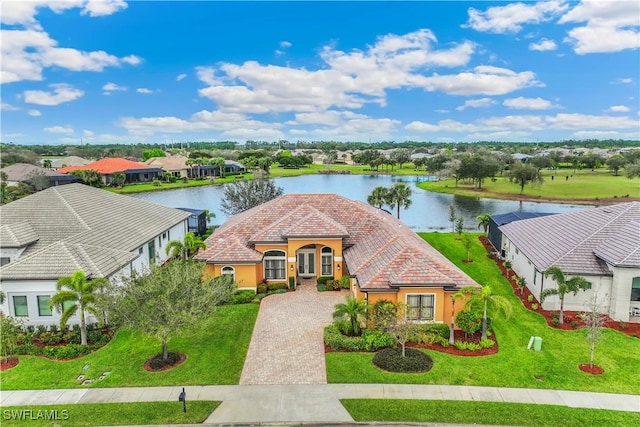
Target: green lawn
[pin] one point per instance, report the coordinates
(108, 414)
(588, 185)
(556, 367)
(142, 188)
(215, 355)
(492, 413)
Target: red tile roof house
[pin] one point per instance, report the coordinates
(315, 235)
(602, 245)
(134, 171)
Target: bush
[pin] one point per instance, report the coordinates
(156, 183)
(437, 339)
(275, 286)
(439, 329)
(261, 288)
(279, 291)
(374, 340)
(51, 338)
(258, 297)
(530, 298)
(324, 279)
(486, 343)
(384, 313)
(292, 283)
(67, 351)
(321, 287)
(242, 297)
(469, 321)
(534, 307)
(345, 282)
(337, 341)
(74, 337)
(463, 345)
(390, 359)
(27, 349)
(157, 362)
(53, 328)
(344, 326)
(41, 329)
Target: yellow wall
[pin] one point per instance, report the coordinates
(245, 273)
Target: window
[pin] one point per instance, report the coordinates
(4, 260)
(43, 305)
(164, 236)
(327, 261)
(229, 271)
(635, 289)
(274, 265)
(140, 250)
(152, 250)
(20, 308)
(420, 307)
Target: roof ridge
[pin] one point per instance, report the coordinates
(380, 249)
(87, 258)
(68, 205)
(13, 235)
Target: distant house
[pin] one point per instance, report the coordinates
(309, 236)
(231, 166)
(60, 230)
(494, 232)
(25, 172)
(522, 157)
(178, 166)
(134, 171)
(601, 244)
(197, 221)
(68, 161)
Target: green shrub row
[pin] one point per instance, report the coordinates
(264, 288)
(485, 343)
(242, 296)
(324, 279)
(370, 340)
(391, 359)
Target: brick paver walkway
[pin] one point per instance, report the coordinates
(286, 346)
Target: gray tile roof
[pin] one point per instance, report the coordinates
(380, 251)
(83, 226)
(69, 161)
(17, 235)
(578, 242)
(21, 172)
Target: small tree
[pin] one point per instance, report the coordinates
(168, 300)
(401, 328)
(399, 196)
(469, 321)
(488, 302)
(246, 194)
(452, 217)
(459, 226)
(616, 162)
(572, 285)
(483, 221)
(523, 173)
(467, 242)
(522, 283)
(594, 320)
(378, 197)
(11, 330)
(118, 179)
(185, 249)
(354, 310)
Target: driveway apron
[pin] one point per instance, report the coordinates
(286, 346)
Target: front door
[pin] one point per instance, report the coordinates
(307, 262)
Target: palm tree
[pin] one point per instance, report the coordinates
(483, 221)
(355, 310)
(81, 291)
(185, 249)
(46, 163)
(489, 303)
(378, 197)
(399, 196)
(572, 285)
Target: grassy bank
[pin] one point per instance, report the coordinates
(215, 355)
(492, 413)
(556, 367)
(585, 186)
(108, 414)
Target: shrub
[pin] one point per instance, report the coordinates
(275, 286)
(53, 328)
(530, 298)
(469, 321)
(463, 345)
(390, 359)
(41, 329)
(555, 322)
(534, 307)
(439, 329)
(337, 341)
(258, 297)
(67, 351)
(574, 324)
(374, 340)
(437, 339)
(156, 183)
(345, 282)
(243, 296)
(321, 287)
(27, 349)
(324, 279)
(292, 283)
(279, 291)
(51, 338)
(384, 312)
(486, 343)
(74, 337)
(261, 288)
(185, 179)
(157, 362)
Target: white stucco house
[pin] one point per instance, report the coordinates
(602, 245)
(60, 230)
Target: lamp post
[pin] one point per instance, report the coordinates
(183, 398)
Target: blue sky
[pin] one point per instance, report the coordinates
(149, 71)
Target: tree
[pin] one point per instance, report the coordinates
(118, 179)
(572, 285)
(46, 163)
(354, 310)
(185, 249)
(399, 196)
(452, 217)
(246, 194)
(401, 156)
(154, 152)
(89, 177)
(38, 180)
(594, 320)
(483, 221)
(401, 328)
(378, 197)
(168, 300)
(522, 174)
(489, 303)
(469, 321)
(467, 242)
(11, 331)
(616, 162)
(219, 163)
(459, 226)
(632, 169)
(81, 292)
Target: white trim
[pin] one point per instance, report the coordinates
(328, 254)
(233, 271)
(337, 258)
(291, 259)
(266, 258)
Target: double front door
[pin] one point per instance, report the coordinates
(307, 262)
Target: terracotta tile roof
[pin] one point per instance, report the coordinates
(578, 242)
(382, 252)
(107, 166)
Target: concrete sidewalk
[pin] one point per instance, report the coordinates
(314, 402)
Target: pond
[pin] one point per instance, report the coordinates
(429, 211)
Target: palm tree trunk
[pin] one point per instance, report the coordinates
(165, 350)
(561, 318)
(83, 328)
(484, 322)
(398, 210)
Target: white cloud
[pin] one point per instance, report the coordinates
(8, 107)
(505, 135)
(144, 90)
(585, 121)
(625, 80)
(62, 92)
(604, 134)
(87, 133)
(476, 103)
(131, 59)
(66, 130)
(34, 113)
(103, 7)
(522, 103)
(180, 77)
(619, 109)
(510, 18)
(611, 26)
(112, 87)
(285, 44)
(543, 45)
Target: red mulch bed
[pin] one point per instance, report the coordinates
(8, 363)
(148, 368)
(593, 370)
(571, 319)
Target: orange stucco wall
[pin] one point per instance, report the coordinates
(245, 274)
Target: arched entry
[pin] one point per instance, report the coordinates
(306, 260)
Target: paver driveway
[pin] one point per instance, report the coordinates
(286, 346)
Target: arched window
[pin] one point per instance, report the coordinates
(275, 265)
(227, 270)
(327, 261)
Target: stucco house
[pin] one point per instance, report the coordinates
(134, 171)
(601, 244)
(314, 235)
(25, 172)
(60, 230)
(69, 161)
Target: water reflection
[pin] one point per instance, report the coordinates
(429, 211)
